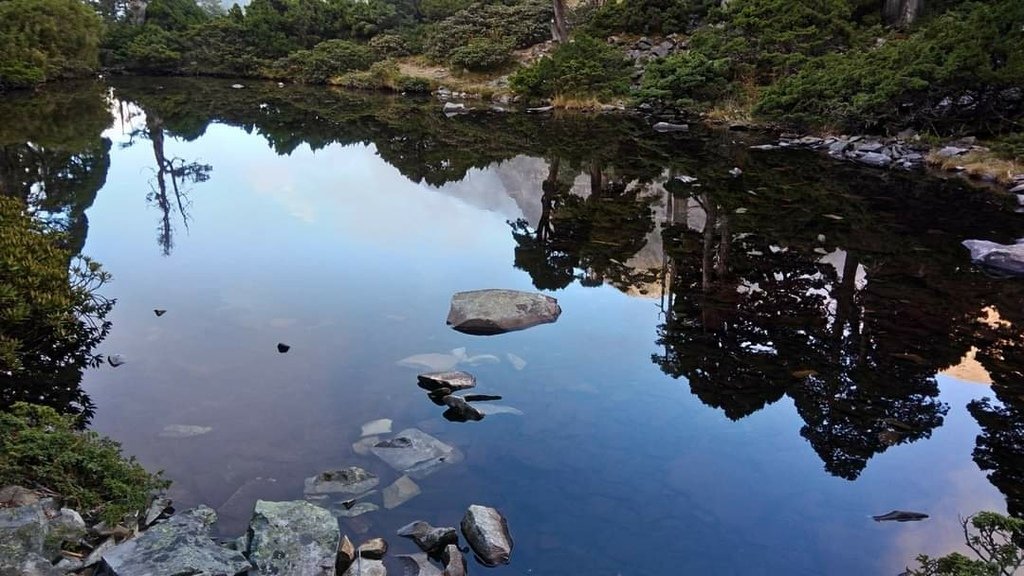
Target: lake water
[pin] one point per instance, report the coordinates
(746, 368)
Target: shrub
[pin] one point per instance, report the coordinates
(152, 50)
(645, 16)
(482, 54)
(685, 79)
(1010, 146)
(43, 40)
(994, 538)
(326, 60)
(964, 67)
(581, 68)
(43, 449)
(523, 24)
(384, 75)
(389, 46)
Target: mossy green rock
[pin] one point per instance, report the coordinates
(293, 538)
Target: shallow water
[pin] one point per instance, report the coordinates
(745, 369)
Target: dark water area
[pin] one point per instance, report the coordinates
(746, 368)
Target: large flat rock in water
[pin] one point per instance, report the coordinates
(487, 312)
(416, 453)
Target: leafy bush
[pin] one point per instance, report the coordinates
(582, 68)
(41, 448)
(42, 40)
(965, 67)
(1010, 146)
(153, 50)
(434, 10)
(523, 24)
(326, 60)
(49, 316)
(482, 54)
(685, 79)
(645, 16)
(389, 46)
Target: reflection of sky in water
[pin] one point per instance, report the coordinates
(614, 468)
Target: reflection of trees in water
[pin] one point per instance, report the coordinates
(168, 189)
(54, 160)
(1000, 446)
(588, 240)
(762, 307)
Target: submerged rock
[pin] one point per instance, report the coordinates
(488, 312)
(116, 360)
(430, 539)
(351, 480)
(376, 427)
(184, 431)
(1002, 258)
(159, 312)
(452, 380)
(417, 565)
(283, 348)
(900, 516)
(181, 545)
(366, 567)
(517, 362)
(400, 492)
(293, 538)
(486, 530)
(454, 561)
(415, 453)
(355, 509)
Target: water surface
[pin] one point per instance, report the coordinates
(746, 368)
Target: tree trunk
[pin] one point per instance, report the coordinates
(560, 28)
(902, 13)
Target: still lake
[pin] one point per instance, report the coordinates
(746, 368)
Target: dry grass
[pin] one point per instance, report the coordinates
(575, 103)
(738, 108)
(477, 84)
(981, 164)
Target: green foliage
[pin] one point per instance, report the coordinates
(581, 68)
(522, 24)
(41, 448)
(434, 10)
(482, 54)
(152, 50)
(43, 40)
(389, 46)
(49, 316)
(1010, 146)
(994, 538)
(685, 80)
(646, 16)
(174, 15)
(324, 61)
(960, 68)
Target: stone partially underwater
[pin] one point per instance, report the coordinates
(490, 312)
(1004, 259)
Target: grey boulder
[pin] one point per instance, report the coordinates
(365, 567)
(875, 159)
(181, 545)
(293, 538)
(486, 530)
(670, 127)
(1005, 259)
(430, 539)
(488, 312)
(459, 410)
(454, 561)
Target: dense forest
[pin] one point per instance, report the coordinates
(941, 66)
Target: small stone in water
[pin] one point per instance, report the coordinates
(282, 348)
(116, 360)
(400, 492)
(374, 549)
(184, 431)
(159, 312)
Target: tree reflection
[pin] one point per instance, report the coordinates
(53, 161)
(587, 239)
(852, 325)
